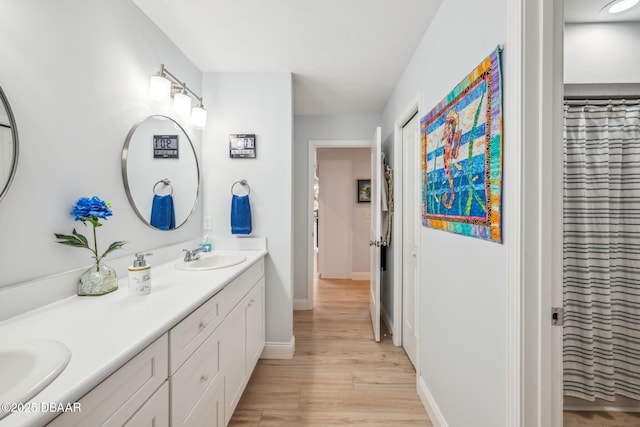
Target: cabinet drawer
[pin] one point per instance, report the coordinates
(194, 377)
(209, 409)
(186, 336)
(116, 399)
(236, 290)
(154, 412)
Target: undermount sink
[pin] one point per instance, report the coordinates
(212, 261)
(28, 366)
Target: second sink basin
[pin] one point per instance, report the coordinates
(28, 366)
(212, 261)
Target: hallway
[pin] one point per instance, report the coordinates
(339, 375)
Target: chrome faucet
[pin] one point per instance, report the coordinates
(192, 255)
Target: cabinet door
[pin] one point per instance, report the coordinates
(117, 398)
(255, 325)
(233, 358)
(191, 383)
(209, 409)
(154, 412)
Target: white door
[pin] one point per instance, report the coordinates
(410, 229)
(375, 237)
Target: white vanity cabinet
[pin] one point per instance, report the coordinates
(214, 350)
(243, 341)
(136, 394)
(194, 374)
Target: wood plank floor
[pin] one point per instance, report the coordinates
(601, 419)
(339, 376)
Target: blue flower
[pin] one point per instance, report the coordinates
(91, 208)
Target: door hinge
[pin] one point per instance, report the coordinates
(557, 316)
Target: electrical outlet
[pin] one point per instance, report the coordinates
(206, 222)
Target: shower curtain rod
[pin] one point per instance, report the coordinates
(602, 100)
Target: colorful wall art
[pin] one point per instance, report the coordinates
(462, 156)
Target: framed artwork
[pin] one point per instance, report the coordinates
(364, 191)
(462, 156)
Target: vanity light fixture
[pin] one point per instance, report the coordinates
(165, 85)
(182, 103)
(199, 116)
(619, 6)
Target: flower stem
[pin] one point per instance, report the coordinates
(95, 248)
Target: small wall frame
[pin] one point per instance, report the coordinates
(364, 191)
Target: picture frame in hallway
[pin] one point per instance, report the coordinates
(462, 156)
(364, 191)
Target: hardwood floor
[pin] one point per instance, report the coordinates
(339, 376)
(601, 419)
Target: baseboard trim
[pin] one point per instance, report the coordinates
(360, 275)
(301, 304)
(279, 350)
(437, 419)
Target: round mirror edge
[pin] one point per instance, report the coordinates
(14, 136)
(125, 179)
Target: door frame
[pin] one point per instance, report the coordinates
(412, 108)
(533, 198)
(311, 163)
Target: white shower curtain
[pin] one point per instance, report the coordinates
(602, 249)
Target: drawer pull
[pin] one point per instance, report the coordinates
(204, 377)
(202, 325)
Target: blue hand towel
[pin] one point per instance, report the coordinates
(240, 215)
(163, 215)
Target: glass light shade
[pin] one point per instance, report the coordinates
(159, 89)
(621, 5)
(182, 104)
(199, 117)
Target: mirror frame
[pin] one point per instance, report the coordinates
(14, 135)
(125, 178)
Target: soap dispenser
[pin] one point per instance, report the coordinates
(140, 275)
(206, 244)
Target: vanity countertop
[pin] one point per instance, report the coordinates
(104, 332)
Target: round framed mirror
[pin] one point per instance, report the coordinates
(8, 145)
(160, 172)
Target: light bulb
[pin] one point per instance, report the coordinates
(182, 104)
(620, 6)
(199, 117)
(159, 89)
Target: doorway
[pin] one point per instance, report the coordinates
(410, 235)
(315, 224)
(406, 245)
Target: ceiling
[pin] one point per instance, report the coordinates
(345, 55)
(582, 11)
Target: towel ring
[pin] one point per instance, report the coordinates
(165, 182)
(242, 182)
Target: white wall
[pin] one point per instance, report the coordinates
(306, 128)
(602, 53)
(76, 74)
(463, 331)
(334, 219)
(359, 213)
(260, 104)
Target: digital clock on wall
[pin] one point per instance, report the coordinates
(242, 146)
(165, 146)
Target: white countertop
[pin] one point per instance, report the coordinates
(104, 332)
